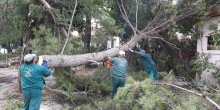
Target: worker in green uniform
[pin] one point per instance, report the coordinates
(147, 62)
(119, 69)
(32, 82)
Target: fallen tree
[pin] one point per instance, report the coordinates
(150, 31)
(76, 60)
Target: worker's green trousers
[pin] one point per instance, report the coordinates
(153, 74)
(32, 99)
(116, 83)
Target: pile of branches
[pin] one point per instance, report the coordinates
(170, 93)
(163, 95)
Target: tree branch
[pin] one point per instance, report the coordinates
(171, 45)
(136, 16)
(70, 25)
(50, 10)
(125, 17)
(94, 102)
(57, 91)
(198, 94)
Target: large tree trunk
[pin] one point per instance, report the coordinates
(88, 32)
(76, 60)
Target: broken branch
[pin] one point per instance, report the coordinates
(198, 94)
(70, 25)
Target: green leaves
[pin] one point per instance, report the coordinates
(62, 17)
(146, 96)
(44, 41)
(13, 21)
(36, 12)
(201, 63)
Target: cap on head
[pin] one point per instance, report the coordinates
(35, 57)
(121, 53)
(29, 57)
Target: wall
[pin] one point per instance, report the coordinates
(203, 41)
(202, 45)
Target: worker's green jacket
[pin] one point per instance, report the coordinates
(148, 63)
(120, 66)
(32, 76)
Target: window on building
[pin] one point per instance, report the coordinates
(214, 42)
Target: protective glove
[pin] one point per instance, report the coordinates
(138, 47)
(44, 64)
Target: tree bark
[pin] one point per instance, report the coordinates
(88, 32)
(81, 59)
(76, 60)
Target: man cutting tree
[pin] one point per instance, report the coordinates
(119, 69)
(148, 62)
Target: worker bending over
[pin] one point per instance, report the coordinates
(32, 82)
(147, 62)
(119, 69)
